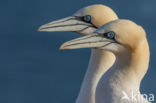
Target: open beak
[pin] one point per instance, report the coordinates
(90, 41)
(72, 23)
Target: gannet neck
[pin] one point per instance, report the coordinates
(140, 59)
(124, 76)
(99, 63)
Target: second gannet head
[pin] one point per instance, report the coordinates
(115, 36)
(84, 21)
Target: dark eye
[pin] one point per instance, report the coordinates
(110, 35)
(87, 18)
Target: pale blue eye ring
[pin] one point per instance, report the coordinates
(87, 18)
(110, 35)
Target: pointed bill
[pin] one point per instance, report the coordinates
(89, 41)
(71, 23)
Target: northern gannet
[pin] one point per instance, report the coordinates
(85, 21)
(127, 41)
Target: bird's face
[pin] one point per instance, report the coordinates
(84, 21)
(115, 36)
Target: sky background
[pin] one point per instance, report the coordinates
(34, 70)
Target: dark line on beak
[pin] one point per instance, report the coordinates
(91, 26)
(87, 42)
(107, 44)
(65, 26)
(84, 38)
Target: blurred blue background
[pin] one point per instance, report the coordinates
(33, 70)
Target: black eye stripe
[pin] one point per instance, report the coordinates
(112, 37)
(109, 35)
(87, 18)
(81, 18)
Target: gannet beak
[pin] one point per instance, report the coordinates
(71, 23)
(89, 41)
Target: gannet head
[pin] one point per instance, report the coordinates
(114, 36)
(84, 21)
